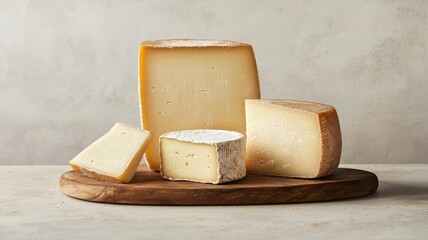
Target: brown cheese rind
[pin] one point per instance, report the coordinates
(94, 175)
(331, 142)
(190, 43)
(301, 105)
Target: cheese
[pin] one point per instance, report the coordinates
(194, 84)
(292, 138)
(115, 156)
(208, 156)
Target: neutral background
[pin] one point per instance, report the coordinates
(68, 69)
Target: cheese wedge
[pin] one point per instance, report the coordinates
(207, 156)
(292, 138)
(115, 156)
(194, 84)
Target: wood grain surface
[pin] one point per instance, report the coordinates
(149, 188)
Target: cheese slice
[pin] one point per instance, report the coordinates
(115, 156)
(194, 84)
(207, 156)
(292, 138)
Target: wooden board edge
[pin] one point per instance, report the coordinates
(109, 194)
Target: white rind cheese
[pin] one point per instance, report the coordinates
(115, 156)
(194, 84)
(207, 156)
(292, 138)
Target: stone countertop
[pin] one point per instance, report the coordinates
(33, 207)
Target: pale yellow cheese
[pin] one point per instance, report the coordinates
(292, 138)
(194, 84)
(115, 156)
(208, 156)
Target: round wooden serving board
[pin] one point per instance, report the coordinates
(149, 188)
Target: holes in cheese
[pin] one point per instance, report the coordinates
(194, 84)
(115, 156)
(292, 138)
(207, 156)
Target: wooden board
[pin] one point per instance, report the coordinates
(149, 188)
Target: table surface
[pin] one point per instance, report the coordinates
(33, 207)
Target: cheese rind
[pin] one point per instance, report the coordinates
(115, 156)
(292, 138)
(194, 84)
(207, 156)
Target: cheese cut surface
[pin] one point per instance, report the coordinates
(115, 156)
(194, 84)
(292, 138)
(207, 156)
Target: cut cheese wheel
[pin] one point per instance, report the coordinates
(194, 84)
(115, 156)
(207, 156)
(292, 138)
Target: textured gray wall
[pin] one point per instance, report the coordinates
(68, 69)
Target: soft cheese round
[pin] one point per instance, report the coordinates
(204, 136)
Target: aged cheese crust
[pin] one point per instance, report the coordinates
(331, 142)
(188, 43)
(230, 147)
(94, 174)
